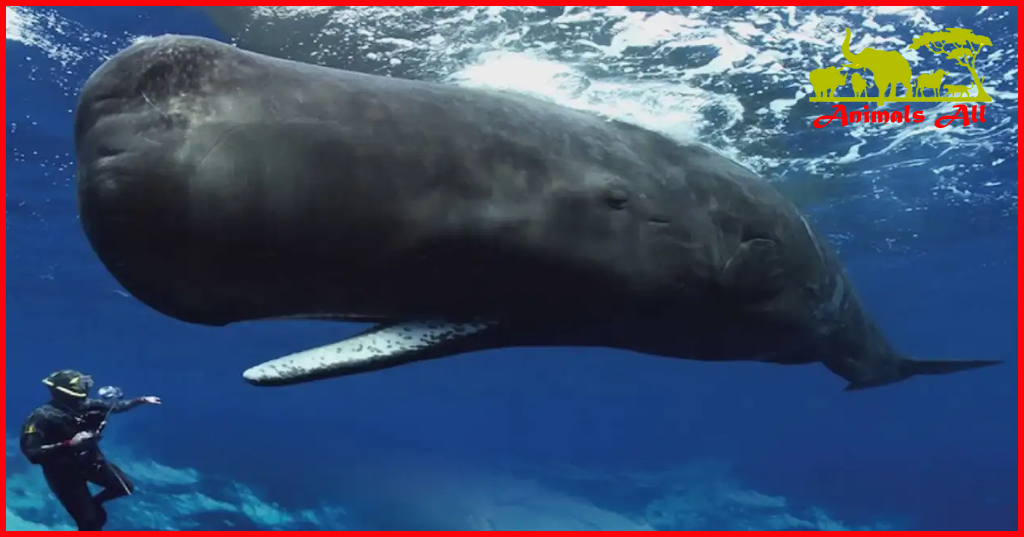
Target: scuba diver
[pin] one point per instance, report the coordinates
(63, 436)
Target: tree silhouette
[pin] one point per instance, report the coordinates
(966, 47)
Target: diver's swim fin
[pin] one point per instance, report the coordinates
(911, 368)
(381, 347)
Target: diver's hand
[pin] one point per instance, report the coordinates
(83, 437)
(151, 400)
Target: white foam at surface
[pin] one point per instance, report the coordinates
(45, 31)
(18, 25)
(497, 42)
(500, 53)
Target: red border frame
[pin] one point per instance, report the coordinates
(3, 244)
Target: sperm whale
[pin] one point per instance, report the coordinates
(219, 186)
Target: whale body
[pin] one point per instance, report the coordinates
(219, 186)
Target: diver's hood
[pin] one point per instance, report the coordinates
(69, 383)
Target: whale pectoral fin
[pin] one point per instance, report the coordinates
(754, 272)
(379, 348)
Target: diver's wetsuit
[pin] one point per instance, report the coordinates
(46, 441)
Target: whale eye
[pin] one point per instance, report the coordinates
(616, 198)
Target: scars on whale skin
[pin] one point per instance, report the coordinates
(219, 185)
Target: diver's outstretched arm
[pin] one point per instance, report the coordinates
(117, 407)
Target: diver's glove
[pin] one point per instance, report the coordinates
(81, 438)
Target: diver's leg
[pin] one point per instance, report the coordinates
(72, 491)
(114, 482)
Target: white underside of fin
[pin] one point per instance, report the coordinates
(376, 349)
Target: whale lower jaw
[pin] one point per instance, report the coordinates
(378, 348)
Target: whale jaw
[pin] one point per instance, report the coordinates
(381, 347)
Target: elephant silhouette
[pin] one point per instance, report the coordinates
(931, 81)
(860, 86)
(889, 68)
(826, 81)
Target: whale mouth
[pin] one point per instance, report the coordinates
(380, 347)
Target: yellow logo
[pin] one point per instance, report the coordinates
(890, 70)
(884, 76)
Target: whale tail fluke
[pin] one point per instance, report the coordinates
(908, 367)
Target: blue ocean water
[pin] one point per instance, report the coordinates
(926, 222)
